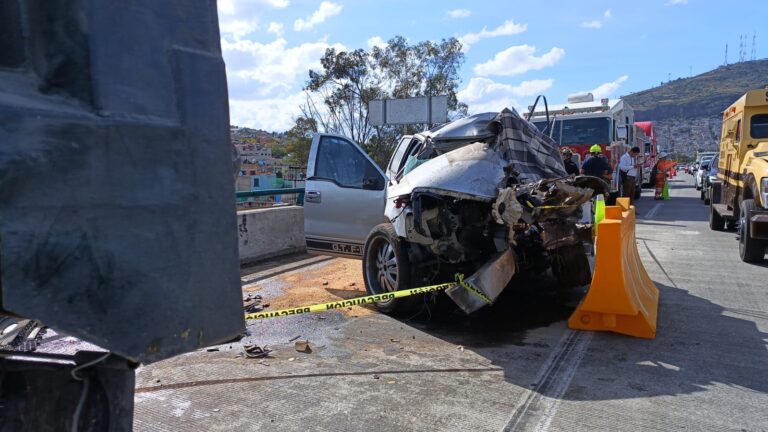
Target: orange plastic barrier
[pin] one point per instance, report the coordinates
(622, 297)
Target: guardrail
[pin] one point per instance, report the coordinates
(270, 192)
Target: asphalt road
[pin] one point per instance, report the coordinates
(514, 367)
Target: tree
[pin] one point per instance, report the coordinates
(338, 94)
(299, 140)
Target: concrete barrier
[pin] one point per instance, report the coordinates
(270, 232)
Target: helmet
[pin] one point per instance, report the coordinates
(595, 149)
(567, 151)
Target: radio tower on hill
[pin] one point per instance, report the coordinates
(726, 55)
(753, 55)
(742, 48)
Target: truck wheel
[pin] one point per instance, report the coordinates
(386, 268)
(716, 222)
(750, 249)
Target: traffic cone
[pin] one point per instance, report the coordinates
(665, 192)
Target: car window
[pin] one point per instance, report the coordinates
(338, 160)
(759, 126)
(397, 158)
(713, 167)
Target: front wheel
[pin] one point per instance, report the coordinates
(386, 268)
(750, 250)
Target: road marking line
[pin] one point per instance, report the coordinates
(540, 405)
(652, 212)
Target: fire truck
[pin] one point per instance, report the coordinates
(584, 122)
(645, 138)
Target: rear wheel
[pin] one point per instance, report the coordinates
(716, 222)
(702, 195)
(386, 268)
(750, 249)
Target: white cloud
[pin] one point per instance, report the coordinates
(256, 70)
(595, 24)
(676, 2)
(376, 41)
(608, 89)
(507, 29)
(459, 13)
(271, 114)
(275, 28)
(238, 28)
(238, 18)
(484, 95)
(517, 60)
(226, 7)
(326, 10)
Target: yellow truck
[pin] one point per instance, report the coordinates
(740, 196)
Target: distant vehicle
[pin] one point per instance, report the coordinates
(742, 192)
(584, 122)
(698, 179)
(709, 178)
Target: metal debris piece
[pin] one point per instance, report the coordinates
(255, 351)
(253, 303)
(303, 346)
(294, 338)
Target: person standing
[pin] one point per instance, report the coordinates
(628, 167)
(570, 166)
(659, 176)
(597, 165)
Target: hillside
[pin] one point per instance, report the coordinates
(687, 110)
(705, 95)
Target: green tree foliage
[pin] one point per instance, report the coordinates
(299, 140)
(338, 94)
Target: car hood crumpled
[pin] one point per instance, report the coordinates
(478, 170)
(475, 171)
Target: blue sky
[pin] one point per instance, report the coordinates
(516, 49)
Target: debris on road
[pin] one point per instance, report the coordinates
(294, 338)
(253, 303)
(303, 346)
(255, 351)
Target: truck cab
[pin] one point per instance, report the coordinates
(740, 198)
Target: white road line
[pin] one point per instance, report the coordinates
(540, 405)
(652, 212)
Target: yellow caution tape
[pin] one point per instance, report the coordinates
(323, 307)
(473, 290)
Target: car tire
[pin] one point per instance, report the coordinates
(750, 249)
(701, 196)
(716, 222)
(386, 268)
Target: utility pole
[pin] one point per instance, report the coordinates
(726, 55)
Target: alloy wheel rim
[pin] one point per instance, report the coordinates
(386, 266)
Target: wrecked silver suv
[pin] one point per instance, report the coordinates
(486, 196)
